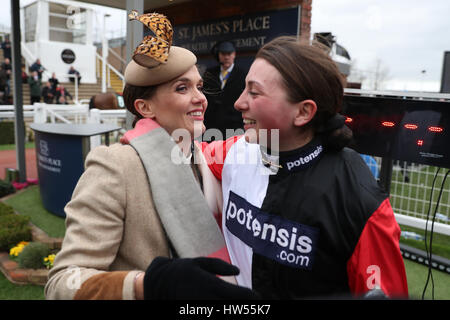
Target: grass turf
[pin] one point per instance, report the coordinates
(10, 291)
(414, 196)
(416, 275)
(441, 243)
(29, 204)
(28, 145)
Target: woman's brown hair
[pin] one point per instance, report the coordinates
(131, 93)
(309, 73)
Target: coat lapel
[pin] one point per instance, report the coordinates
(181, 206)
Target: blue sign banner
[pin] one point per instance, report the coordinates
(60, 165)
(247, 32)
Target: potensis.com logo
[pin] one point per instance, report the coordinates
(274, 237)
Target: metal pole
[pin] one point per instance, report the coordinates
(103, 67)
(135, 34)
(386, 174)
(104, 53)
(19, 124)
(76, 88)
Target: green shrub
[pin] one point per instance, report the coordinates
(13, 229)
(32, 256)
(7, 132)
(5, 209)
(6, 188)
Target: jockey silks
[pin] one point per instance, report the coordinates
(307, 222)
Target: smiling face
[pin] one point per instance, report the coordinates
(264, 104)
(177, 104)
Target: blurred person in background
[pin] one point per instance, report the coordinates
(62, 95)
(35, 87)
(47, 93)
(223, 85)
(75, 74)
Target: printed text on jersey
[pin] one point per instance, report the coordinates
(285, 241)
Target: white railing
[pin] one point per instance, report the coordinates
(75, 82)
(65, 113)
(27, 55)
(106, 79)
(75, 113)
(401, 94)
(7, 112)
(421, 223)
(118, 57)
(410, 193)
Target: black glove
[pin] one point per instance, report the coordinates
(375, 294)
(192, 278)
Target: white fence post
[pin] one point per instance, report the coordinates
(40, 113)
(94, 117)
(76, 89)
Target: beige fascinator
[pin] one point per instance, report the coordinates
(155, 60)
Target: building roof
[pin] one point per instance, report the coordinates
(120, 4)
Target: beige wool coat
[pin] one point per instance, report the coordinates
(113, 231)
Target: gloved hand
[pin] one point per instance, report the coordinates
(192, 278)
(375, 294)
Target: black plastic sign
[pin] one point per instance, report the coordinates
(68, 56)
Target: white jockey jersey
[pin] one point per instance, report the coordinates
(242, 165)
(301, 224)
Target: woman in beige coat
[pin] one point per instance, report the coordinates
(138, 224)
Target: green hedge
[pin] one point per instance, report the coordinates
(5, 209)
(6, 188)
(13, 228)
(32, 256)
(7, 132)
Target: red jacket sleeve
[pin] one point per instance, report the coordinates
(376, 260)
(215, 154)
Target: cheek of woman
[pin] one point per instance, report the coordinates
(186, 116)
(274, 115)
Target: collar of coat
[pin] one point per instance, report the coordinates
(181, 206)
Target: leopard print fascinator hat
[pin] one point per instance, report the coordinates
(155, 60)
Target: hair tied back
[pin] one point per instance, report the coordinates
(335, 122)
